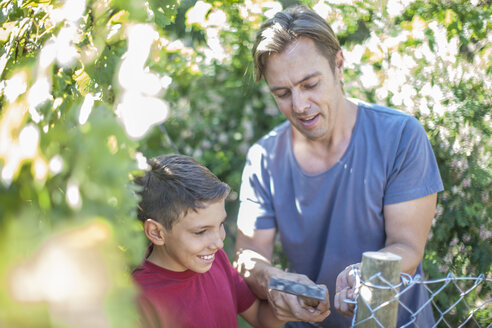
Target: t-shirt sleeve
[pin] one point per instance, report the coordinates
(414, 173)
(244, 296)
(255, 209)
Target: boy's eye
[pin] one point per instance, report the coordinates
(201, 232)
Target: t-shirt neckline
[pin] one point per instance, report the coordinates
(169, 273)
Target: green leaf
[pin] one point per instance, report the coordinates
(164, 11)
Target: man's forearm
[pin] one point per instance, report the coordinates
(256, 270)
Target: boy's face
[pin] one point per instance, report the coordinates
(192, 242)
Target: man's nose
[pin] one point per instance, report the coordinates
(300, 102)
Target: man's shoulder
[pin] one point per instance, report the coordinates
(379, 111)
(386, 119)
(277, 133)
(270, 143)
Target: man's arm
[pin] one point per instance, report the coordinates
(407, 225)
(253, 261)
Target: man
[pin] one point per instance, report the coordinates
(338, 178)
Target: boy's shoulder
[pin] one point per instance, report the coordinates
(150, 276)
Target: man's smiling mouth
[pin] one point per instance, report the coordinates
(308, 119)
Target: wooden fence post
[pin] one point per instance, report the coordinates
(371, 295)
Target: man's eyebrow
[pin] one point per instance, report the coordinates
(307, 77)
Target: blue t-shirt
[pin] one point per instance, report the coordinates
(326, 221)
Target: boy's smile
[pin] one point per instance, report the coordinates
(194, 239)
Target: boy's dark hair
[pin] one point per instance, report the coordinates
(174, 185)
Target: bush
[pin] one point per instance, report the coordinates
(75, 76)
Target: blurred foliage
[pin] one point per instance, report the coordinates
(61, 173)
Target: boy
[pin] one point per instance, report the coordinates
(186, 279)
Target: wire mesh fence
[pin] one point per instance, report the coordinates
(455, 301)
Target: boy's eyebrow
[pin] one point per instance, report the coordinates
(207, 226)
(307, 77)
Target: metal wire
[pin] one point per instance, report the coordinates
(408, 282)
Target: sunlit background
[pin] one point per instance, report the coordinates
(90, 89)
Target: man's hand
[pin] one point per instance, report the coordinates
(253, 261)
(347, 288)
(289, 307)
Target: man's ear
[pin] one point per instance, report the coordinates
(339, 60)
(154, 231)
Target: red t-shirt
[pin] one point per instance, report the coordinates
(189, 299)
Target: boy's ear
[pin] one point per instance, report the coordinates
(154, 231)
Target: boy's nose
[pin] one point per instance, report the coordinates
(217, 244)
(218, 241)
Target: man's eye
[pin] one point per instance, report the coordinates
(201, 232)
(311, 85)
(282, 95)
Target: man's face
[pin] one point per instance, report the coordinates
(192, 242)
(306, 89)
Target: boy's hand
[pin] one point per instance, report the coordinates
(290, 307)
